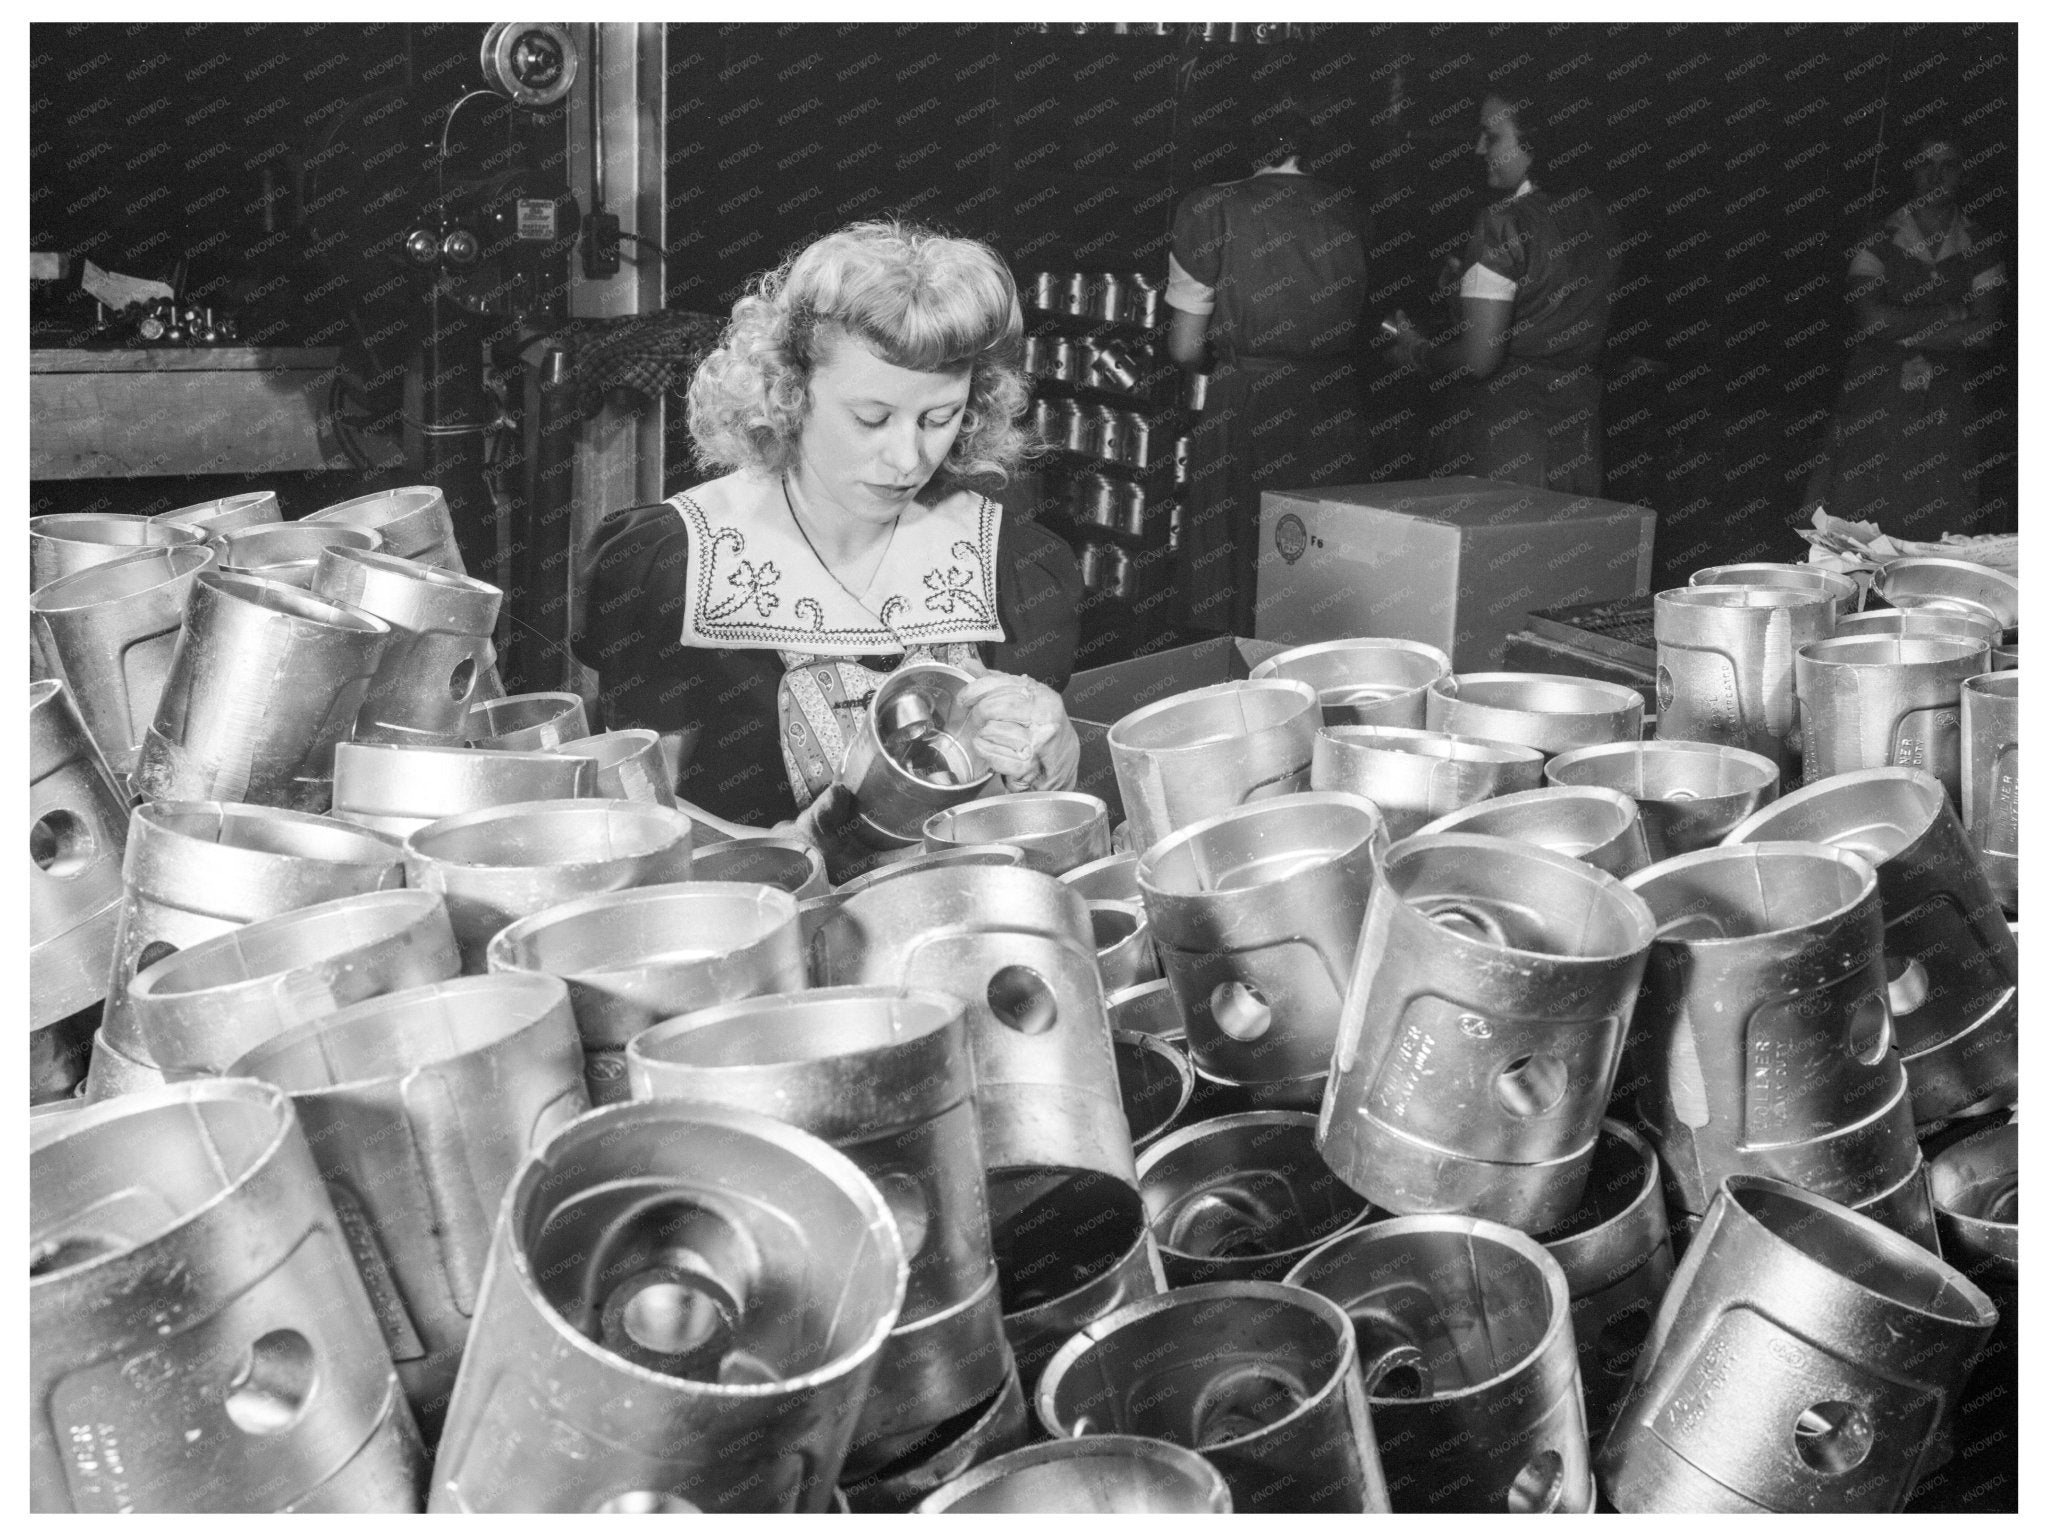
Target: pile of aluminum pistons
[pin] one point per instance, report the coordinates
(1439, 1092)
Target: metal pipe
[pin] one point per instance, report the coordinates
(288, 552)
(1196, 754)
(1725, 669)
(1762, 1034)
(1414, 776)
(1604, 827)
(1465, 1346)
(110, 629)
(526, 722)
(1803, 1360)
(1845, 591)
(505, 862)
(887, 1078)
(1058, 830)
(1688, 794)
(263, 682)
(1364, 681)
(684, 1301)
(1243, 1197)
(225, 514)
(1989, 775)
(60, 543)
(1886, 703)
(1482, 1030)
(1261, 1378)
(1156, 1083)
(199, 1340)
(397, 788)
(634, 958)
(1952, 963)
(413, 522)
(419, 1107)
(1545, 710)
(629, 765)
(203, 1007)
(1096, 1474)
(196, 869)
(440, 645)
(909, 758)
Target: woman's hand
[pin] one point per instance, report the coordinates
(1406, 343)
(827, 825)
(1020, 728)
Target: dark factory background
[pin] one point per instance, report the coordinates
(1738, 163)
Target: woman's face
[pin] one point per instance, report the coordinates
(875, 433)
(1500, 146)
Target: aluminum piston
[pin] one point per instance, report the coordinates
(1071, 1246)
(634, 958)
(1414, 776)
(1545, 710)
(1465, 1346)
(1952, 586)
(1111, 879)
(1058, 830)
(1615, 1251)
(77, 827)
(1149, 1008)
(419, 1107)
(440, 646)
(887, 1078)
(937, 1457)
(1243, 1197)
(2006, 657)
(1482, 1030)
(684, 1301)
(1803, 1360)
(110, 630)
(1725, 665)
(60, 543)
(1016, 945)
(1990, 778)
(1975, 1185)
(397, 789)
(1762, 1042)
(199, 1340)
(1156, 1083)
(787, 863)
(909, 758)
(972, 855)
(1123, 944)
(264, 680)
(413, 522)
(1260, 1378)
(1602, 826)
(629, 765)
(225, 514)
(200, 1009)
(1364, 681)
(1255, 917)
(1953, 964)
(506, 862)
(525, 722)
(1921, 621)
(1688, 793)
(1888, 702)
(1096, 1474)
(197, 869)
(1844, 591)
(1197, 754)
(288, 552)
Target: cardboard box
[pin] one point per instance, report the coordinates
(1455, 563)
(1099, 697)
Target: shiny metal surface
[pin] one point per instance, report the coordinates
(1155, 1081)
(440, 647)
(1364, 681)
(413, 522)
(1688, 793)
(1262, 1379)
(1762, 1038)
(1804, 1359)
(908, 760)
(225, 514)
(1845, 591)
(287, 552)
(787, 863)
(1482, 1030)
(525, 722)
(629, 765)
(1921, 621)
(634, 958)
(1975, 1185)
(684, 1301)
(263, 682)
(419, 1107)
(1096, 1474)
(1886, 702)
(944, 1453)
(971, 856)
(1989, 776)
(1955, 586)
(1124, 956)
(109, 631)
(396, 789)
(1057, 830)
(1602, 826)
(1197, 754)
(1255, 918)
(200, 1202)
(200, 1009)
(1414, 776)
(1149, 1008)
(1465, 1346)
(505, 862)
(1725, 665)
(1548, 711)
(60, 543)
(1114, 878)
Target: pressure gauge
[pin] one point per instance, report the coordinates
(533, 62)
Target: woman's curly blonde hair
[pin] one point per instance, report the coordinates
(919, 299)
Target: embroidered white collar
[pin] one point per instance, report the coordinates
(755, 583)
